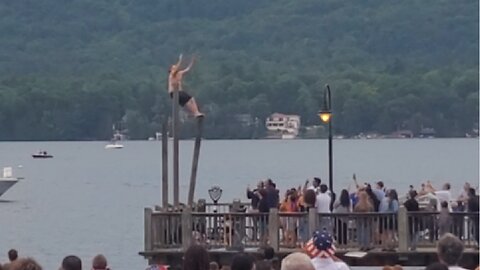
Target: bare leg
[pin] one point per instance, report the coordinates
(193, 108)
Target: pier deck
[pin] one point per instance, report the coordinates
(226, 231)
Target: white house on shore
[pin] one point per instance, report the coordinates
(283, 125)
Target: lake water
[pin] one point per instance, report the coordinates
(88, 200)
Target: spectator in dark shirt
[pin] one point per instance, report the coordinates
(472, 201)
(242, 261)
(272, 194)
(472, 206)
(254, 195)
(263, 219)
(413, 221)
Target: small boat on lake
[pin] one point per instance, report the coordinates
(42, 154)
(114, 142)
(114, 145)
(7, 180)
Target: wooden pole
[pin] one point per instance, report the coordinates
(196, 153)
(164, 166)
(175, 129)
(148, 229)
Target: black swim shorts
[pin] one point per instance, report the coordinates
(183, 97)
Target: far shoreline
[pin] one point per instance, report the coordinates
(260, 139)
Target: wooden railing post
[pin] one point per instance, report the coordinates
(312, 221)
(186, 228)
(273, 229)
(403, 234)
(148, 241)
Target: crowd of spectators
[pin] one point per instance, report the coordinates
(365, 198)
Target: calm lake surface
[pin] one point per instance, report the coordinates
(88, 200)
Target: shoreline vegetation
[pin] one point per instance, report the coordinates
(72, 71)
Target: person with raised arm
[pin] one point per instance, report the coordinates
(175, 77)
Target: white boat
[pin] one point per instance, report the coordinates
(114, 145)
(7, 180)
(288, 136)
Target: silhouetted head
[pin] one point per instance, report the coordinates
(263, 265)
(214, 266)
(316, 181)
(444, 205)
(99, 262)
(449, 249)
(72, 262)
(196, 258)
(268, 253)
(437, 266)
(242, 261)
(392, 194)
(344, 198)
(296, 261)
(380, 185)
(293, 194)
(12, 255)
(446, 186)
(323, 188)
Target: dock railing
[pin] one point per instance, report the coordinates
(224, 229)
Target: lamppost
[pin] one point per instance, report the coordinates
(326, 116)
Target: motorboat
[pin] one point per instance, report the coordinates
(114, 145)
(7, 180)
(42, 154)
(114, 141)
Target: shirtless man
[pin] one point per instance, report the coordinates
(175, 84)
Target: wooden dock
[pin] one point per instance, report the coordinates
(226, 229)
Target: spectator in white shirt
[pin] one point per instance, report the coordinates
(323, 200)
(444, 195)
(323, 206)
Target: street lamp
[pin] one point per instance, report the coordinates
(326, 116)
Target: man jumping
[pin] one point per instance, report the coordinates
(175, 84)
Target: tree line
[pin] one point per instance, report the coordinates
(71, 71)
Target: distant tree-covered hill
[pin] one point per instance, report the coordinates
(70, 69)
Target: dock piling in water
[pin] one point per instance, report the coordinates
(164, 166)
(196, 153)
(175, 129)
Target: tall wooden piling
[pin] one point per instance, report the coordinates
(164, 166)
(196, 153)
(175, 131)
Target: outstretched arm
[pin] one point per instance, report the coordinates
(189, 65)
(180, 57)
